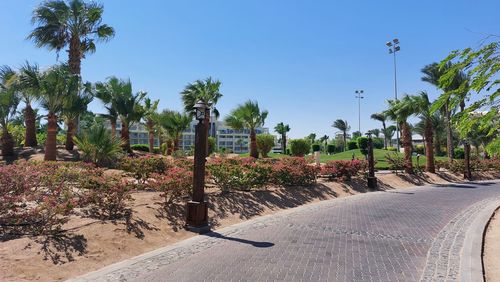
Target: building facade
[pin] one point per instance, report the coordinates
(138, 133)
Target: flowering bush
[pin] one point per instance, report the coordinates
(37, 197)
(343, 169)
(142, 167)
(242, 174)
(293, 172)
(175, 183)
(107, 195)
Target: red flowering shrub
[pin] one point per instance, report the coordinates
(37, 197)
(293, 171)
(241, 173)
(489, 164)
(174, 184)
(343, 169)
(142, 167)
(106, 195)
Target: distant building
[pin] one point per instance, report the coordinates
(138, 133)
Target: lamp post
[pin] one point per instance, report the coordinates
(393, 49)
(197, 208)
(372, 180)
(467, 172)
(359, 96)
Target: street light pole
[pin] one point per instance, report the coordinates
(372, 180)
(393, 49)
(359, 96)
(197, 208)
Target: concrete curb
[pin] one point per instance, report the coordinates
(471, 263)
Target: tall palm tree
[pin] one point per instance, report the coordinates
(29, 85)
(75, 104)
(282, 129)
(399, 111)
(57, 83)
(375, 132)
(422, 108)
(343, 126)
(389, 133)
(324, 139)
(149, 117)
(75, 24)
(9, 101)
(174, 123)
(249, 116)
(382, 118)
(106, 91)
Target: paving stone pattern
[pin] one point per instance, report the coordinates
(404, 235)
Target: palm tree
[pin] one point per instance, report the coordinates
(382, 118)
(375, 132)
(98, 145)
(149, 117)
(311, 137)
(75, 104)
(249, 116)
(29, 85)
(324, 139)
(75, 24)
(389, 133)
(174, 123)
(422, 108)
(106, 92)
(56, 84)
(343, 126)
(282, 129)
(399, 111)
(9, 101)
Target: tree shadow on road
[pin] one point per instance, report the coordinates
(239, 240)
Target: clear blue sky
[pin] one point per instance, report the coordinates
(301, 60)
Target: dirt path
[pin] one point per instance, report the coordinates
(491, 255)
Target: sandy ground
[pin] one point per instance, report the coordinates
(491, 254)
(89, 244)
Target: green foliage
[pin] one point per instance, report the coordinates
(61, 139)
(343, 169)
(239, 174)
(459, 153)
(362, 143)
(140, 147)
(330, 148)
(175, 183)
(98, 146)
(392, 149)
(41, 137)
(378, 143)
(17, 131)
(316, 147)
(419, 149)
(351, 145)
(300, 147)
(396, 161)
(142, 167)
(265, 142)
(211, 145)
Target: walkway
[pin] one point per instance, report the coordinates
(402, 235)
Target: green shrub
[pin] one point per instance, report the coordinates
(392, 149)
(156, 150)
(61, 139)
(293, 172)
(211, 145)
(316, 147)
(459, 153)
(98, 146)
(265, 143)
(300, 147)
(351, 145)
(330, 148)
(140, 147)
(363, 145)
(239, 174)
(343, 169)
(142, 167)
(396, 161)
(41, 137)
(378, 143)
(419, 149)
(175, 183)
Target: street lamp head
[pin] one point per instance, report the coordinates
(397, 48)
(395, 40)
(200, 108)
(389, 43)
(390, 51)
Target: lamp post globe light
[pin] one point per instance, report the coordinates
(393, 49)
(359, 96)
(197, 207)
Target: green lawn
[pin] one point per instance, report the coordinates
(378, 154)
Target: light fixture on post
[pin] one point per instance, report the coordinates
(393, 49)
(197, 208)
(359, 96)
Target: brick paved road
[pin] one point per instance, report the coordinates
(382, 236)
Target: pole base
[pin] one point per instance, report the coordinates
(372, 182)
(197, 217)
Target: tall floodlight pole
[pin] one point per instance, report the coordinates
(393, 49)
(359, 96)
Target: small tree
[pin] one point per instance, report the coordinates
(330, 148)
(265, 142)
(363, 145)
(316, 147)
(351, 145)
(300, 147)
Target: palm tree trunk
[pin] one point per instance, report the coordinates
(113, 128)
(151, 136)
(7, 143)
(126, 137)
(429, 152)
(75, 55)
(51, 142)
(283, 143)
(176, 143)
(345, 140)
(30, 122)
(253, 144)
(449, 134)
(69, 135)
(407, 146)
(385, 137)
